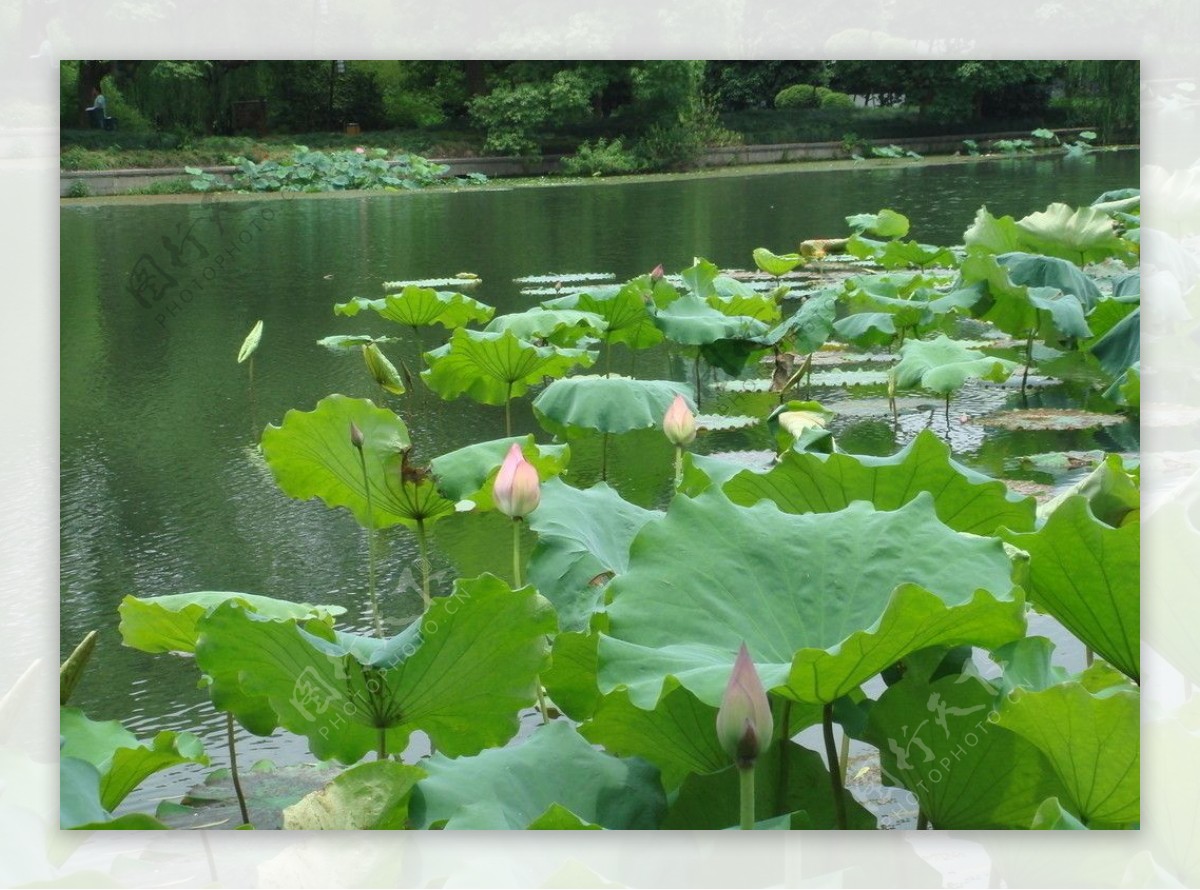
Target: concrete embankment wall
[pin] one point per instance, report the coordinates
(115, 182)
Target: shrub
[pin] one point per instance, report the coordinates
(600, 159)
(800, 95)
(79, 189)
(129, 119)
(827, 98)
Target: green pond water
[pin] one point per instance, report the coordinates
(162, 489)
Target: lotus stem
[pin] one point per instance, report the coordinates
(604, 458)
(508, 411)
(1028, 362)
(362, 459)
(608, 356)
(253, 400)
(541, 699)
(922, 820)
(696, 375)
(678, 464)
(231, 743)
(382, 749)
(947, 417)
(844, 755)
(746, 784)
(1088, 655)
(835, 772)
(516, 553)
(785, 736)
(423, 544)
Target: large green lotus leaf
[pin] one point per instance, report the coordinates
(1086, 574)
(1121, 345)
(1106, 315)
(808, 328)
(679, 735)
(624, 310)
(711, 801)
(571, 678)
(990, 234)
(1019, 310)
(936, 739)
(514, 787)
(606, 404)
(168, 623)
(690, 321)
(908, 309)
(461, 673)
(731, 356)
(751, 305)
(583, 541)
(965, 500)
(1051, 816)
(78, 793)
(1028, 663)
(121, 760)
(943, 365)
(311, 456)
(1084, 235)
(1092, 741)
(470, 472)
(1113, 493)
(867, 328)
(776, 264)
(700, 278)
(1032, 270)
(899, 254)
(886, 223)
(492, 368)
(561, 327)
(559, 818)
(371, 795)
(419, 306)
(823, 601)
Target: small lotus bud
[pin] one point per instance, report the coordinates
(517, 490)
(744, 722)
(656, 274)
(679, 424)
(356, 436)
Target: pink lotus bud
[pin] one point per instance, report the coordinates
(517, 491)
(656, 273)
(360, 150)
(680, 423)
(744, 723)
(356, 436)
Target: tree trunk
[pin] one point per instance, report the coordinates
(476, 82)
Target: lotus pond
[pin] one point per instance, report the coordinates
(899, 468)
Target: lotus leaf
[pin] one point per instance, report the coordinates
(832, 599)
(886, 223)
(514, 788)
(606, 404)
(421, 306)
(936, 739)
(560, 327)
(624, 310)
(461, 673)
(1091, 740)
(469, 472)
(367, 796)
(1085, 574)
(583, 541)
(776, 264)
(494, 367)
(965, 500)
(943, 366)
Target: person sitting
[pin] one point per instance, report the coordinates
(98, 112)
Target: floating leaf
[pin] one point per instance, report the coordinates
(420, 306)
(1091, 740)
(722, 422)
(169, 623)
(1085, 574)
(849, 378)
(345, 342)
(942, 366)
(883, 584)
(251, 342)
(515, 787)
(762, 384)
(461, 673)
(367, 796)
(1049, 419)
(612, 404)
(582, 536)
(494, 367)
(464, 280)
(564, 277)
(965, 500)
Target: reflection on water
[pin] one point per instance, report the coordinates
(162, 490)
